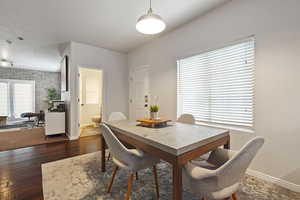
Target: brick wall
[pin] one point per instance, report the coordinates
(43, 80)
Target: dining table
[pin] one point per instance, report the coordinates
(177, 143)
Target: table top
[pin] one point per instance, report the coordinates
(176, 138)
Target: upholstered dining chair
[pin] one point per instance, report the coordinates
(219, 176)
(186, 118)
(190, 119)
(131, 160)
(115, 116)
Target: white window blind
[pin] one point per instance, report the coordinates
(23, 99)
(4, 101)
(92, 90)
(218, 86)
(16, 97)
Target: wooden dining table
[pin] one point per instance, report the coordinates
(177, 143)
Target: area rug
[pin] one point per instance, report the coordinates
(80, 178)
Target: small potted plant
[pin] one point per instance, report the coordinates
(154, 112)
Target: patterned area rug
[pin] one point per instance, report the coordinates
(81, 178)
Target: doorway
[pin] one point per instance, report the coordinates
(90, 101)
(139, 93)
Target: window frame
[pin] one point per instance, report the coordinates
(11, 102)
(248, 129)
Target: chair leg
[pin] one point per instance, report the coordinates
(108, 157)
(136, 175)
(112, 179)
(156, 181)
(130, 181)
(234, 196)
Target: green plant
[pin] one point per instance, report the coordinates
(154, 108)
(52, 94)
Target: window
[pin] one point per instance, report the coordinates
(92, 90)
(217, 87)
(4, 100)
(16, 97)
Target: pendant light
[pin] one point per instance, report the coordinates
(150, 23)
(6, 63)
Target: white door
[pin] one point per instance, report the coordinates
(90, 95)
(139, 94)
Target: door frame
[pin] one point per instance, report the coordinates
(132, 89)
(78, 106)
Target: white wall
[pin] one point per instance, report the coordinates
(115, 80)
(276, 26)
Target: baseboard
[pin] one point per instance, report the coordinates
(283, 183)
(72, 137)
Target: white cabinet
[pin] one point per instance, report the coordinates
(55, 123)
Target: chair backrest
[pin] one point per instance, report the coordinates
(234, 169)
(115, 116)
(186, 118)
(118, 150)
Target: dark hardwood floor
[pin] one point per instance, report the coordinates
(20, 169)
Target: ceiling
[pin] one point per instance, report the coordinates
(45, 24)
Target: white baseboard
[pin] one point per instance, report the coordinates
(72, 137)
(283, 183)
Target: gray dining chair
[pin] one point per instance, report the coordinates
(115, 116)
(219, 176)
(131, 160)
(186, 118)
(190, 119)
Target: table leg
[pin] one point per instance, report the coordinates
(102, 153)
(177, 182)
(227, 145)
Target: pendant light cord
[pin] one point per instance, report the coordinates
(150, 9)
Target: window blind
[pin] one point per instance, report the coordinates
(218, 86)
(4, 102)
(16, 97)
(23, 98)
(92, 91)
